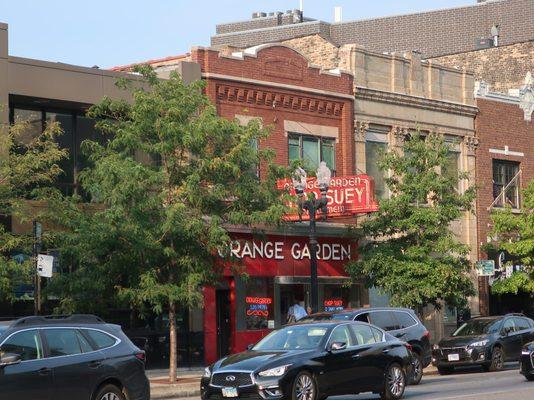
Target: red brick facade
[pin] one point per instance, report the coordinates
(277, 84)
(498, 124)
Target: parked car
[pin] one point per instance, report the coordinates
(485, 341)
(399, 322)
(313, 360)
(70, 357)
(527, 361)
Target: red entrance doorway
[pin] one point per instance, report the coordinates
(224, 328)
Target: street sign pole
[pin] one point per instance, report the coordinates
(37, 231)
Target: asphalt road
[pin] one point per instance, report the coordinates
(468, 384)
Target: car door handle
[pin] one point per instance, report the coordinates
(385, 351)
(355, 356)
(95, 364)
(399, 335)
(44, 371)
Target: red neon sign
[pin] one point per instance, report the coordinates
(258, 300)
(347, 196)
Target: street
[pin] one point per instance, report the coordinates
(468, 384)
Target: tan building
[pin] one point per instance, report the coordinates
(397, 93)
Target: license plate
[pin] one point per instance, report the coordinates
(229, 392)
(453, 357)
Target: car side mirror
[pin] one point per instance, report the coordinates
(250, 347)
(9, 359)
(337, 346)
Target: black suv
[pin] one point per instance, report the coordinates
(485, 341)
(399, 322)
(69, 357)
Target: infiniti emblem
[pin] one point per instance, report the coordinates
(230, 378)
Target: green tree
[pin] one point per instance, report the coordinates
(410, 251)
(170, 178)
(26, 164)
(515, 234)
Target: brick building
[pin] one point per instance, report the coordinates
(432, 33)
(505, 156)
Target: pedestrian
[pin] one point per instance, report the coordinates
(296, 312)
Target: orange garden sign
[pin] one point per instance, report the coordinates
(346, 196)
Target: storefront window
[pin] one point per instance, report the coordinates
(255, 303)
(337, 297)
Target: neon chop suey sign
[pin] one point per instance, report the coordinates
(279, 250)
(346, 196)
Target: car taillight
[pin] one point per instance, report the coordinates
(409, 346)
(426, 334)
(140, 356)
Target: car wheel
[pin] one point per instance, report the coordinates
(109, 392)
(394, 384)
(445, 370)
(304, 387)
(417, 374)
(497, 360)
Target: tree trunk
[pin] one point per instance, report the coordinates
(172, 344)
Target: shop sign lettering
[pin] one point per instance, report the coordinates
(258, 306)
(347, 195)
(297, 251)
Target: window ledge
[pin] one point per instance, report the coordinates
(513, 210)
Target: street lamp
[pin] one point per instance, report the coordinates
(312, 205)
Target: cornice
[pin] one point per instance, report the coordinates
(362, 93)
(275, 99)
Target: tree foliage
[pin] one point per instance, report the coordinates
(515, 234)
(169, 179)
(26, 164)
(411, 252)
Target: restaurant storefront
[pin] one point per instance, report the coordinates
(270, 273)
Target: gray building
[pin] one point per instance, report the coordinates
(433, 33)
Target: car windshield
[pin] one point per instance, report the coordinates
(296, 337)
(477, 327)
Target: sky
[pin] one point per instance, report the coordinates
(117, 32)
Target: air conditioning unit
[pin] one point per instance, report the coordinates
(483, 43)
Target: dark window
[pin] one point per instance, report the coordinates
(521, 324)
(312, 150)
(84, 343)
(76, 128)
(379, 335)
(363, 334)
(506, 183)
(62, 342)
(256, 305)
(404, 320)
(27, 344)
(363, 318)
(452, 168)
(509, 326)
(384, 320)
(101, 340)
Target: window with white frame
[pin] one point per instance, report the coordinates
(506, 183)
(312, 150)
(376, 143)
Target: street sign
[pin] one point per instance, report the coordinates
(45, 265)
(485, 267)
(346, 196)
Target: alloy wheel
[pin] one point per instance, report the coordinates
(417, 368)
(396, 381)
(497, 359)
(110, 396)
(304, 388)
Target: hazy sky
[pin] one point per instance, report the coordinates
(115, 32)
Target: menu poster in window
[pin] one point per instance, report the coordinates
(257, 312)
(333, 305)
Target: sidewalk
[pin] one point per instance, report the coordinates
(188, 383)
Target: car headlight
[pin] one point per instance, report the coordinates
(207, 372)
(435, 347)
(480, 343)
(278, 371)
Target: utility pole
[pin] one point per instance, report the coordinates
(37, 233)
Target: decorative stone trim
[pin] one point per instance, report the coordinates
(420, 102)
(526, 97)
(360, 128)
(399, 134)
(471, 144)
(273, 99)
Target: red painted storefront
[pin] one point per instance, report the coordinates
(276, 257)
